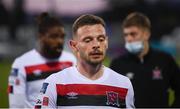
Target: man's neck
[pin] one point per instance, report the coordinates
(92, 72)
(46, 55)
(144, 52)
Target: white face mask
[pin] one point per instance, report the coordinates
(134, 47)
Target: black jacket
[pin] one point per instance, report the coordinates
(151, 77)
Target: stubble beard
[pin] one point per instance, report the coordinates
(93, 62)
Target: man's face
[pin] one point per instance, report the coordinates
(52, 42)
(91, 43)
(134, 33)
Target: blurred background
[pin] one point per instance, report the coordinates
(18, 27)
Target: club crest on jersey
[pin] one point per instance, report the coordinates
(45, 101)
(44, 87)
(14, 72)
(157, 74)
(112, 98)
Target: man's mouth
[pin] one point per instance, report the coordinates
(96, 54)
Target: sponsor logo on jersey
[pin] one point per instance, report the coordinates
(72, 95)
(38, 101)
(112, 98)
(37, 72)
(45, 101)
(14, 72)
(156, 75)
(44, 87)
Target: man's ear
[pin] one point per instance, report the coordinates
(73, 45)
(147, 35)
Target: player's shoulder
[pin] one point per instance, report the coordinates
(60, 76)
(160, 54)
(68, 56)
(158, 51)
(67, 53)
(117, 75)
(25, 56)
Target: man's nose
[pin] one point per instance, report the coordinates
(59, 40)
(129, 38)
(96, 45)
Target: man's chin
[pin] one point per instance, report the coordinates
(96, 62)
(58, 50)
(54, 55)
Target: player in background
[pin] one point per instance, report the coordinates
(152, 72)
(89, 85)
(29, 70)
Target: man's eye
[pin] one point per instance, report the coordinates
(133, 33)
(125, 34)
(87, 40)
(101, 39)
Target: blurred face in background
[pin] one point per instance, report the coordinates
(135, 38)
(134, 33)
(91, 44)
(51, 42)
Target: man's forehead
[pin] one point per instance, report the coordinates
(133, 28)
(91, 29)
(56, 28)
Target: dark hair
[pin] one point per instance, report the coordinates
(87, 19)
(45, 21)
(137, 19)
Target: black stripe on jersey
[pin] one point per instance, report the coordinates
(88, 100)
(37, 107)
(42, 75)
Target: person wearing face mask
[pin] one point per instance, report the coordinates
(152, 72)
(30, 70)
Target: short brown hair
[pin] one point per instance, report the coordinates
(87, 19)
(137, 19)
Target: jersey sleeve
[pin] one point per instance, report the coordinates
(130, 97)
(47, 96)
(17, 87)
